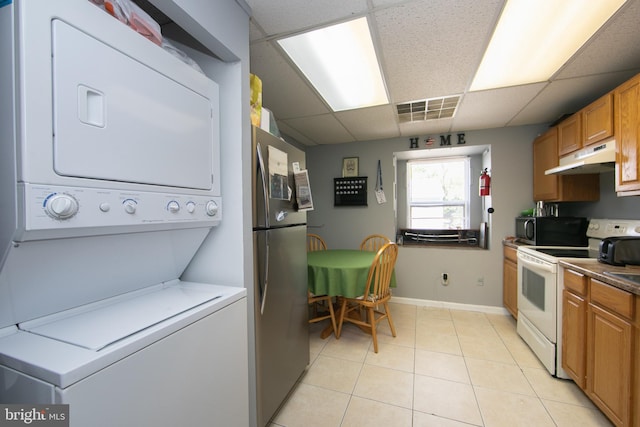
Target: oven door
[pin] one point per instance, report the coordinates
(537, 290)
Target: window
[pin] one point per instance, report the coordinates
(438, 195)
(436, 191)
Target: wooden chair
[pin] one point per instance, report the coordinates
(376, 293)
(374, 242)
(317, 243)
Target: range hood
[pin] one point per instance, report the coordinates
(593, 159)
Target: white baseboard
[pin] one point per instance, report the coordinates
(451, 305)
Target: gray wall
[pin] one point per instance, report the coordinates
(609, 206)
(419, 269)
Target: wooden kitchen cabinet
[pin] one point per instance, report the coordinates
(627, 130)
(592, 124)
(597, 120)
(510, 280)
(570, 134)
(545, 156)
(559, 188)
(609, 364)
(574, 326)
(599, 339)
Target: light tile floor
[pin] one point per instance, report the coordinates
(445, 368)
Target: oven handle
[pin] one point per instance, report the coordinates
(536, 266)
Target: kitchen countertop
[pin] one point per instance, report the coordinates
(594, 268)
(512, 242)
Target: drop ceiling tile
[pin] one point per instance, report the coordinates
(293, 133)
(255, 32)
(386, 3)
(431, 49)
(284, 91)
(614, 48)
(493, 108)
(285, 16)
(568, 96)
(322, 129)
(370, 123)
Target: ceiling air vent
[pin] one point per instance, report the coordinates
(428, 109)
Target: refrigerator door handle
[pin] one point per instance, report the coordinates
(264, 284)
(265, 188)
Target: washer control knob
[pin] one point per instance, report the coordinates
(173, 206)
(61, 206)
(191, 207)
(130, 206)
(211, 208)
(105, 207)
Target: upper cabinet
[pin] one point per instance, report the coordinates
(559, 188)
(570, 134)
(545, 148)
(592, 124)
(627, 130)
(597, 120)
(614, 116)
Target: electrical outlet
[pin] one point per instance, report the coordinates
(480, 281)
(445, 279)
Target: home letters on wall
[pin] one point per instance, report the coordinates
(445, 141)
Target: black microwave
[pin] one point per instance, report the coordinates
(552, 230)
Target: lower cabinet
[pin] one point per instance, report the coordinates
(574, 342)
(609, 364)
(599, 330)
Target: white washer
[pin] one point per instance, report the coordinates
(133, 360)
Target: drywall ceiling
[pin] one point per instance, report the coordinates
(428, 49)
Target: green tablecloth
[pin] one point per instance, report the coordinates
(340, 272)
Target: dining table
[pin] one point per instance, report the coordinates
(340, 273)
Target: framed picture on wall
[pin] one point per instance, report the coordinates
(349, 167)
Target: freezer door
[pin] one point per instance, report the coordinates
(281, 315)
(274, 197)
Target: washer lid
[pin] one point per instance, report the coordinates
(95, 326)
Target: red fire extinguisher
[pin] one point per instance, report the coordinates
(484, 186)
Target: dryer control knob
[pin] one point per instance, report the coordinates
(191, 207)
(129, 206)
(173, 206)
(211, 208)
(61, 206)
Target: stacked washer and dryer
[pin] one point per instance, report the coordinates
(110, 178)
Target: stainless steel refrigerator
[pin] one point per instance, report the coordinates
(280, 310)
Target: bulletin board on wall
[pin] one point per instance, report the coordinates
(351, 191)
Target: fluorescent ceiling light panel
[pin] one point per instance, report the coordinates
(341, 63)
(533, 39)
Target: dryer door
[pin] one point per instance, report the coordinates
(117, 119)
